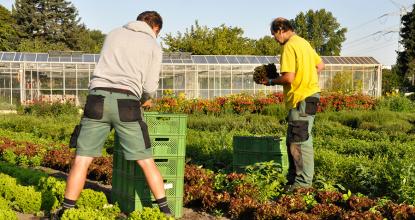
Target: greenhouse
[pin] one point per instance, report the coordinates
(55, 76)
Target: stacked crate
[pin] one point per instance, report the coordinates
(129, 186)
(248, 150)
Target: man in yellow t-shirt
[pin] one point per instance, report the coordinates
(299, 66)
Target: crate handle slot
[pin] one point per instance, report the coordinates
(161, 160)
(163, 118)
(162, 139)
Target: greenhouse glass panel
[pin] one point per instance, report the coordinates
(53, 59)
(65, 59)
(243, 60)
(203, 77)
(57, 80)
(88, 58)
(225, 78)
(252, 59)
(262, 60)
(176, 61)
(42, 58)
(70, 80)
(222, 59)
(15, 96)
(29, 57)
(17, 57)
(179, 80)
(8, 56)
(237, 77)
(232, 59)
(77, 59)
(44, 78)
(83, 79)
(211, 59)
(199, 59)
(272, 60)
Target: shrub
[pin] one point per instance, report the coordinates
(56, 109)
(396, 104)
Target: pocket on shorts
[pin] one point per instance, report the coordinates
(311, 104)
(128, 110)
(74, 136)
(298, 131)
(94, 107)
(146, 134)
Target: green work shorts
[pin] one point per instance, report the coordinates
(105, 110)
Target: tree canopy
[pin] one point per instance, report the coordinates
(322, 30)
(406, 58)
(53, 24)
(8, 34)
(203, 40)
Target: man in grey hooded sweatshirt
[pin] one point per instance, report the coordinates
(125, 78)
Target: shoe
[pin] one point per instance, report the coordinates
(57, 214)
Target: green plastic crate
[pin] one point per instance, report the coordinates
(265, 144)
(166, 124)
(166, 146)
(169, 167)
(128, 205)
(162, 145)
(243, 159)
(139, 189)
(248, 150)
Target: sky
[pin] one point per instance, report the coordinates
(373, 25)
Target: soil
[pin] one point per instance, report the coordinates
(188, 214)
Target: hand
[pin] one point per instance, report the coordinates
(265, 81)
(147, 104)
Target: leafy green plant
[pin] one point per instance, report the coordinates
(9, 156)
(84, 214)
(310, 201)
(148, 213)
(268, 177)
(91, 199)
(8, 214)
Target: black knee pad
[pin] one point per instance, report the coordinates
(298, 131)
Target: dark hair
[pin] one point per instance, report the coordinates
(152, 18)
(281, 24)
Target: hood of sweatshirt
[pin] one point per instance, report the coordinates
(140, 26)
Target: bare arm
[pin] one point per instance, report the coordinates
(285, 78)
(320, 67)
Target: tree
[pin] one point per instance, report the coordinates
(267, 46)
(391, 80)
(55, 21)
(406, 58)
(9, 36)
(89, 41)
(202, 40)
(322, 30)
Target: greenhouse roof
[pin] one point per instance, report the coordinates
(172, 58)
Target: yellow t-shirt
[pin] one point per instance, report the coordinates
(299, 57)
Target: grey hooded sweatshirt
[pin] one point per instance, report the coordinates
(130, 59)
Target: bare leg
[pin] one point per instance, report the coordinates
(77, 176)
(153, 177)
